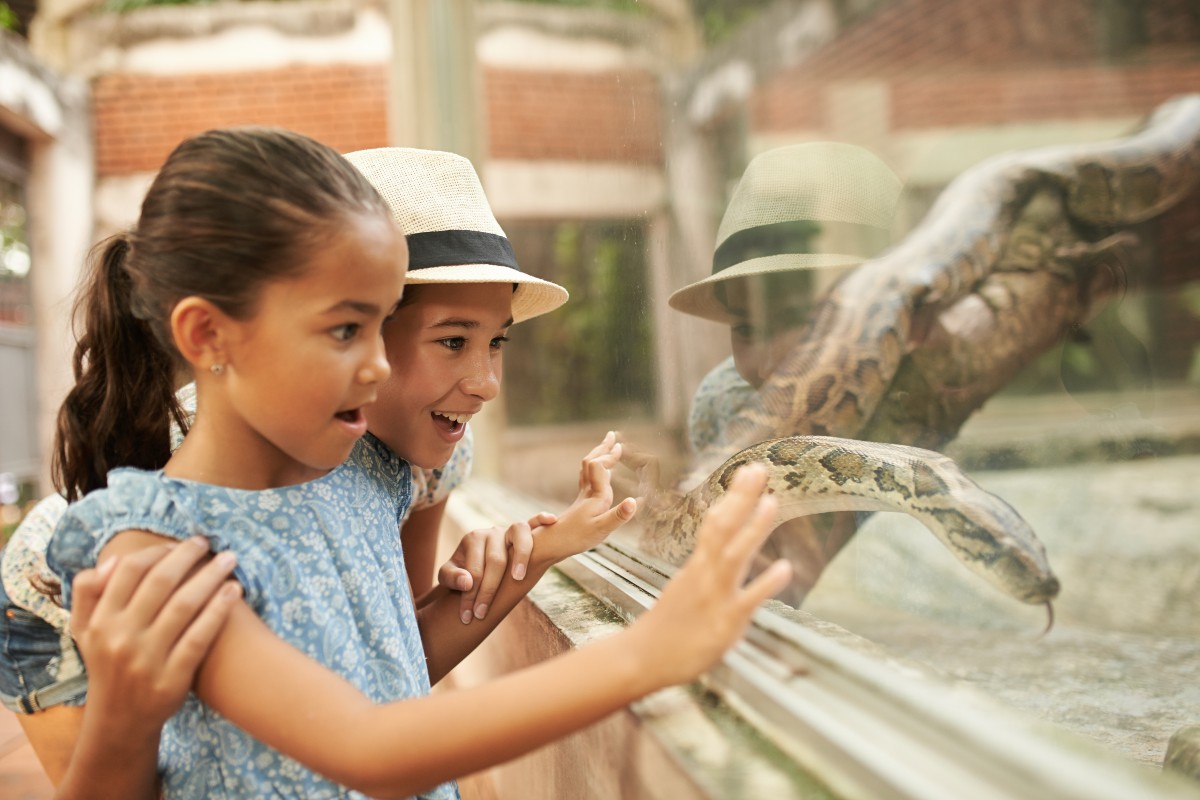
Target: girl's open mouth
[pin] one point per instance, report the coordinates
(352, 416)
(450, 423)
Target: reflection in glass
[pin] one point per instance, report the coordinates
(1033, 314)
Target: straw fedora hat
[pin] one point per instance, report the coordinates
(814, 206)
(452, 235)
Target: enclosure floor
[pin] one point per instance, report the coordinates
(1121, 665)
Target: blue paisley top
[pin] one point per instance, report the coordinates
(320, 563)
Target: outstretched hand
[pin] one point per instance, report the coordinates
(705, 608)
(592, 517)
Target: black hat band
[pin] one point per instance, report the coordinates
(796, 237)
(454, 248)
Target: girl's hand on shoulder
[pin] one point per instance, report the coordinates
(481, 559)
(144, 623)
(592, 517)
(705, 608)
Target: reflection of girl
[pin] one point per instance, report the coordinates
(800, 216)
(262, 279)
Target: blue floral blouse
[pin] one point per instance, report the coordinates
(319, 562)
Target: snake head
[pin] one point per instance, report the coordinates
(1030, 581)
(994, 540)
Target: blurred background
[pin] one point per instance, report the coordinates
(610, 136)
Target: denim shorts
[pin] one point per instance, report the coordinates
(39, 665)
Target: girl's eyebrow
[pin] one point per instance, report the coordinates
(354, 305)
(468, 324)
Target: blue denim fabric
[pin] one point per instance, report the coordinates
(39, 665)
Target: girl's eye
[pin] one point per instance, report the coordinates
(344, 333)
(453, 343)
(498, 342)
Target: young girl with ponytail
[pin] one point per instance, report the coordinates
(266, 265)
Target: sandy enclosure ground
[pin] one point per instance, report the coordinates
(1122, 663)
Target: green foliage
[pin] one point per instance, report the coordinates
(11, 515)
(8, 18)
(616, 5)
(133, 5)
(7, 529)
(593, 358)
(719, 19)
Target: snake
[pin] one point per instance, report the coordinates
(802, 422)
(819, 474)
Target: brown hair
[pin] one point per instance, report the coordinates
(229, 211)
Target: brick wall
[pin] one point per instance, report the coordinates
(920, 35)
(138, 119)
(962, 62)
(992, 98)
(605, 116)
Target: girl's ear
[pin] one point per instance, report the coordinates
(201, 332)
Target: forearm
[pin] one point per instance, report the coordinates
(404, 747)
(446, 640)
(509, 717)
(104, 766)
(419, 540)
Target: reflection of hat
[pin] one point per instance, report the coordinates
(452, 235)
(812, 206)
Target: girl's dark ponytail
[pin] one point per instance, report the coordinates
(119, 412)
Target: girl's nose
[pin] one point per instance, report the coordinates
(483, 380)
(376, 368)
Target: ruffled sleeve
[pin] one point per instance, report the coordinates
(133, 500)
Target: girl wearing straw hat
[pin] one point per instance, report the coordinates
(463, 291)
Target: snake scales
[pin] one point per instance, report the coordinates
(838, 378)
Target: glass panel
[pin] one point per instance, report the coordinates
(571, 379)
(966, 228)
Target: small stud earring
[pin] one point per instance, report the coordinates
(217, 369)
